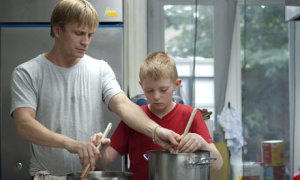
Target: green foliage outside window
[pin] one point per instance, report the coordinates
(265, 89)
(181, 19)
(264, 53)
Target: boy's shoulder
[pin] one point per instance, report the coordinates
(183, 109)
(144, 107)
(184, 106)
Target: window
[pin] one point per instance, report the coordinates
(180, 42)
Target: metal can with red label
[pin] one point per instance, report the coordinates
(272, 153)
(250, 178)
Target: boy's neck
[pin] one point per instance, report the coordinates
(163, 113)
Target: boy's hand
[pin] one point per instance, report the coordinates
(166, 138)
(191, 143)
(96, 139)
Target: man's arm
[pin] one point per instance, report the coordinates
(29, 128)
(137, 119)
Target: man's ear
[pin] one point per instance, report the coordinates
(177, 84)
(56, 31)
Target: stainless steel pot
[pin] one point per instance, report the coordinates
(181, 166)
(102, 175)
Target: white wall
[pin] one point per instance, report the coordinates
(294, 27)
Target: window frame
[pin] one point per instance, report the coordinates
(155, 36)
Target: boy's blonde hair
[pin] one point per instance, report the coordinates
(158, 65)
(74, 11)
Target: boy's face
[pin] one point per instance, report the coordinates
(159, 93)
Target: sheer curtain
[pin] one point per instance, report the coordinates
(135, 43)
(233, 88)
(228, 68)
(225, 14)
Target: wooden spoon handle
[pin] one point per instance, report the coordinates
(85, 171)
(108, 128)
(187, 128)
(88, 166)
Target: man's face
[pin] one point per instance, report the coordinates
(74, 40)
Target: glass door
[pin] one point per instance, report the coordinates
(265, 87)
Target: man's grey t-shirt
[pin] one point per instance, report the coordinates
(67, 101)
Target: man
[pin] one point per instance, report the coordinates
(56, 97)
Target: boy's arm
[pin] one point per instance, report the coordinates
(218, 163)
(108, 156)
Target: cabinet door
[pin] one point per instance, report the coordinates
(18, 44)
(36, 11)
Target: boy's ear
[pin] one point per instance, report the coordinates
(140, 84)
(177, 83)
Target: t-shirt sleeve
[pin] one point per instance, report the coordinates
(110, 84)
(23, 93)
(119, 139)
(199, 127)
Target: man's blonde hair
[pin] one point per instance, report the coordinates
(74, 11)
(158, 65)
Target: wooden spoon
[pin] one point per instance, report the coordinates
(187, 128)
(88, 166)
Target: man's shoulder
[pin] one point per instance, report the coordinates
(35, 62)
(93, 61)
(95, 65)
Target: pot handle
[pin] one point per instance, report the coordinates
(192, 162)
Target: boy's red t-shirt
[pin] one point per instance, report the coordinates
(128, 141)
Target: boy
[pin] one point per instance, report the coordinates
(158, 79)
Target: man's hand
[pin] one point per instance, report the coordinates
(87, 152)
(166, 138)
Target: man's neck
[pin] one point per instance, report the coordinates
(59, 60)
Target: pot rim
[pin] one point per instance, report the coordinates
(118, 173)
(174, 154)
